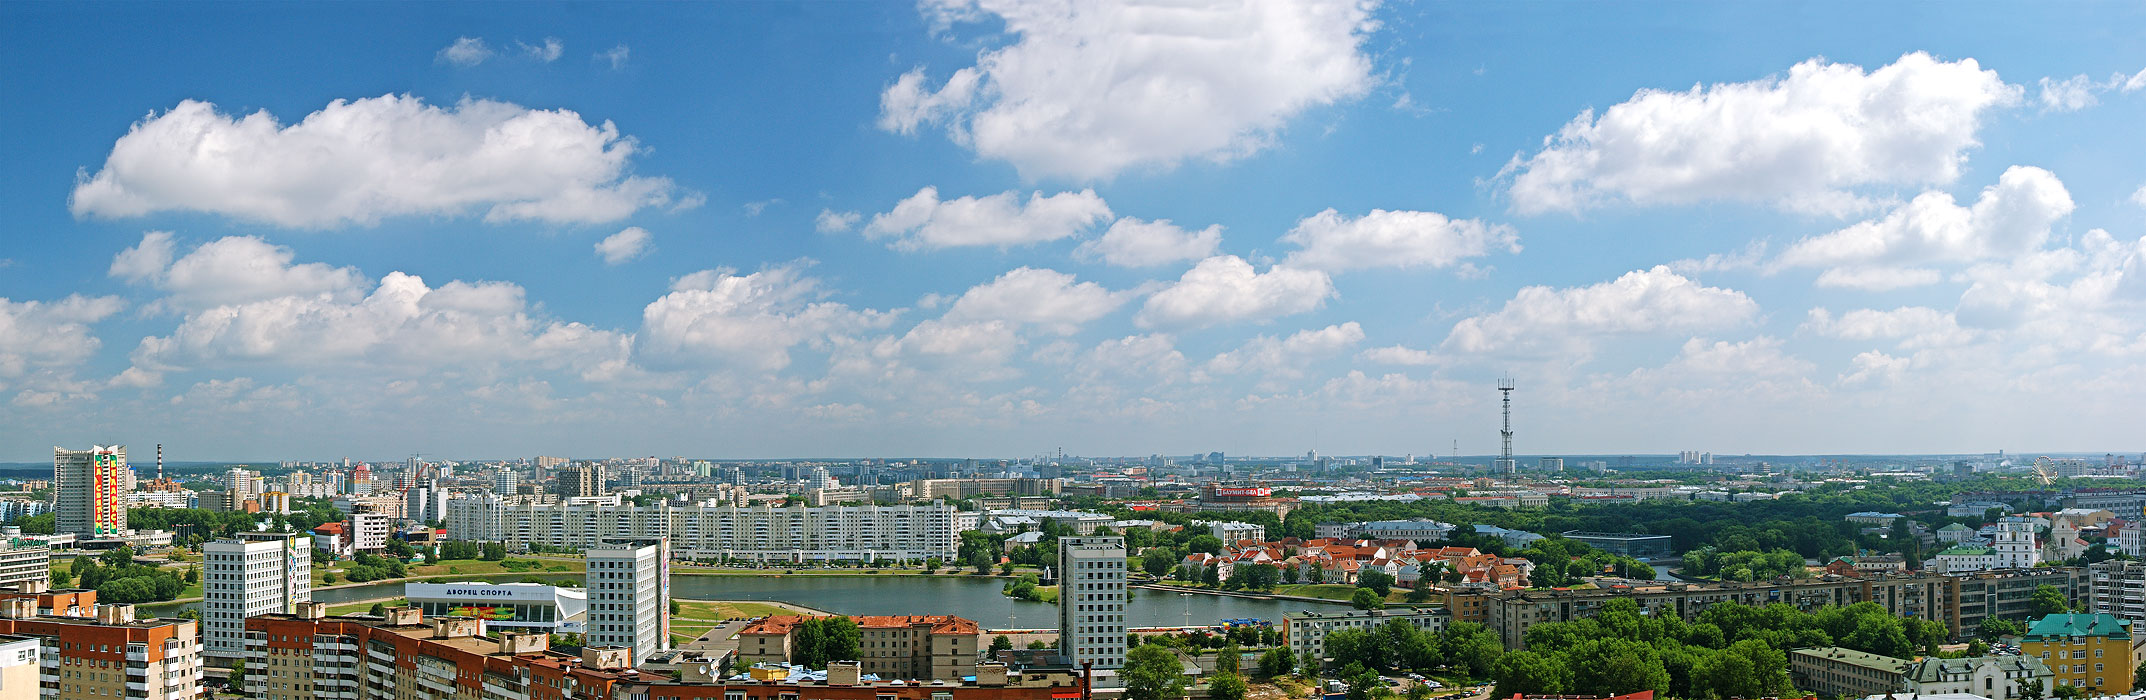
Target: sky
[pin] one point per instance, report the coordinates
(992, 228)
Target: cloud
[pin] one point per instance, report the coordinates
(1132, 242)
(923, 221)
(1877, 279)
(2012, 217)
(715, 317)
(232, 270)
(1333, 242)
(1641, 301)
(1398, 355)
(615, 56)
(754, 208)
(1758, 357)
(465, 52)
(50, 334)
(1045, 298)
(2070, 94)
(1800, 142)
(1226, 289)
(1913, 326)
(364, 160)
(547, 52)
(623, 246)
(831, 221)
(402, 326)
(1091, 89)
(1284, 358)
(1746, 259)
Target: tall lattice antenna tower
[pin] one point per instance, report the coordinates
(1506, 465)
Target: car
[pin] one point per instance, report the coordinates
(1415, 677)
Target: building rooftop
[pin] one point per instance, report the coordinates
(940, 624)
(2065, 625)
(1933, 669)
(1855, 658)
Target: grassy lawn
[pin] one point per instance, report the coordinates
(725, 610)
(459, 567)
(359, 608)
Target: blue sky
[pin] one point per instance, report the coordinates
(255, 231)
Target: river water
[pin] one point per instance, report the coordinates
(974, 598)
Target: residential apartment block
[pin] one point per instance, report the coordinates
(908, 647)
(2093, 651)
(1091, 600)
(108, 655)
(1305, 633)
(717, 531)
(1847, 673)
(253, 574)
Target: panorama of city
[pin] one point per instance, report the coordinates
(1072, 350)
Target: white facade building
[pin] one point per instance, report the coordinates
(629, 589)
(2014, 542)
(476, 518)
(713, 530)
(1091, 600)
(368, 532)
(1305, 633)
(256, 574)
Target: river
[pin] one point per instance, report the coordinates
(974, 598)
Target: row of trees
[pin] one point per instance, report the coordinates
(118, 579)
(486, 551)
(1730, 651)
(1744, 566)
(1464, 647)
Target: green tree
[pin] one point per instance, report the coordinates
(675, 607)
(1000, 643)
(2068, 692)
(1229, 659)
(378, 610)
(1205, 544)
(2047, 600)
(1366, 599)
(1277, 662)
(1364, 683)
(2028, 689)
(2138, 677)
(1153, 672)
(1526, 672)
(1420, 594)
(1994, 628)
(1157, 561)
(1226, 686)
(1379, 582)
(1618, 666)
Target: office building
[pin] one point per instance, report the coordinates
(2090, 651)
(24, 561)
(581, 482)
(425, 503)
(518, 607)
(717, 530)
(629, 584)
(254, 574)
(893, 647)
(108, 654)
(1305, 632)
(88, 488)
(1844, 672)
(1091, 600)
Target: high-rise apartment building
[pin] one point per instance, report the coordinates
(254, 574)
(629, 584)
(714, 530)
(368, 531)
(543, 462)
(1091, 600)
(505, 481)
(88, 490)
(577, 482)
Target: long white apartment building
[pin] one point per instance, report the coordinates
(715, 530)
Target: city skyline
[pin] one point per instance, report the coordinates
(969, 228)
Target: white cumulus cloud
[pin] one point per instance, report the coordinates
(232, 270)
(359, 161)
(547, 52)
(465, 52)
(831, 221)
(47, 334)
(1641, 301)
(623, 246)
(1284, 358)
(1226, 289)
(1046, 298)
(1133, 242)
(1801, 141)
(1091, 88)
(924, 221)
(753, 320)
(1398, 355)
(2010, 218)
(1335, 242)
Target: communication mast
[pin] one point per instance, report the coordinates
(1506, 465)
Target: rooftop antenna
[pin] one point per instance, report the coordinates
(1505, 454)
